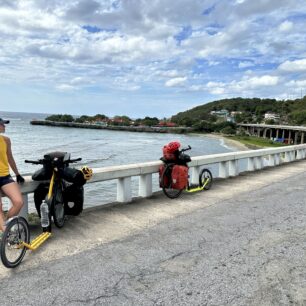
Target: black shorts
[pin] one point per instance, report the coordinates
(4, 180)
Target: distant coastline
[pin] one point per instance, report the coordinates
(147, 129)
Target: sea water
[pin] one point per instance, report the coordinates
(98, 148)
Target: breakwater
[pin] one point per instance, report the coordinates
(147, 129)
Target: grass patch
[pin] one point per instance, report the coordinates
(256, 142)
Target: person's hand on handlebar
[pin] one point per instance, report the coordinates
(19, 179)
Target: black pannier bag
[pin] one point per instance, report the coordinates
(73, 199)
(62, 156)
(42, 174)
(183, 159)
(73, 175)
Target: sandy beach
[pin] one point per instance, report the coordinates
(228, 142)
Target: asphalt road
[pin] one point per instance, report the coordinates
(241, 243)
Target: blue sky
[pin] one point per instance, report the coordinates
(148, 58)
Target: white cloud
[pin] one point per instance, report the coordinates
(285, 26)
(214, 84)
(213, 63)
(238, 87)
(265, 80)
(217, 91)
(77, 81)
(176, 82)
(297, 84)
(65, 87)
(169, 73)
(293, 66)
(245, 64)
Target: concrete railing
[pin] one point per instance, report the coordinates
(227, 164)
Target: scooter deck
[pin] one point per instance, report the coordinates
(38, 241)
(197, 188)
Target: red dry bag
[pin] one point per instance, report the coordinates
(179, 177)
(170, 150)
(163, 181)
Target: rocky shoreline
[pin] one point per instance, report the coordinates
(146, 129)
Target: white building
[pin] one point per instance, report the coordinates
(272, 116)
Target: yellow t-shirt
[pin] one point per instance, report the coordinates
(4, 165)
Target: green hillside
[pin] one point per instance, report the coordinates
(252, 110)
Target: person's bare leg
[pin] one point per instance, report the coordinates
(2, 223)
(12, 191)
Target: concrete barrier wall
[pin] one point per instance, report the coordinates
(227, 163)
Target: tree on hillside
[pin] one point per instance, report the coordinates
(298, 117)
(150, 121)
(203, 126)
(99, 117)
(60, 118)
(83, 119)
(121, 121)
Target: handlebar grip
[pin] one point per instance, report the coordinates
(74, 160)
(186, 149)
(34, 162)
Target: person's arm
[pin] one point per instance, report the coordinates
(11, 161)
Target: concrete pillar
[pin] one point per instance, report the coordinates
(283, 134)
(145, 185)
(270, 133)
(258, 132)
(292, 156)
(296, 134)
(223, 169)
(271, 161)
(251, 164)
(195, 175)
(258, 162)
(265, 133)
(302, 138)
(233, 168)
(124, 190)
(289, 137)
(287, 157)
(277, 159)
(277, 132)
(299, 154)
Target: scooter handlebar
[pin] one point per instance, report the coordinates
(186, 149)
(70, 161)
(34, 162)
(41, 161)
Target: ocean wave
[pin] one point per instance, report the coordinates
(98, 160)
(11, 119)
(224, 145)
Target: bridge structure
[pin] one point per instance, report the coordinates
(228, 165)
(288, 134)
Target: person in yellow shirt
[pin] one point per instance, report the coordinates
(8, 186)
